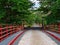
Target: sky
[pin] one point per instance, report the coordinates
(37, 4)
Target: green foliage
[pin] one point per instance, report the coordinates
(14, 11)
(31, 19)
(55, 10)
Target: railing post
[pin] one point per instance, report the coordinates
(0, 33)
(7, 30)
(59, 27)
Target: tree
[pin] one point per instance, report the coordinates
(55, 16)
(53, 6)
(14, 11)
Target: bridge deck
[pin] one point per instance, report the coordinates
(36, 37)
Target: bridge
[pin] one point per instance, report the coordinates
(17, 35)
(29, 22)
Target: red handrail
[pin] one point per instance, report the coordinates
(8, 30)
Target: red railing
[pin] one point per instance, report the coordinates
(54, 28)
(8, 30)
